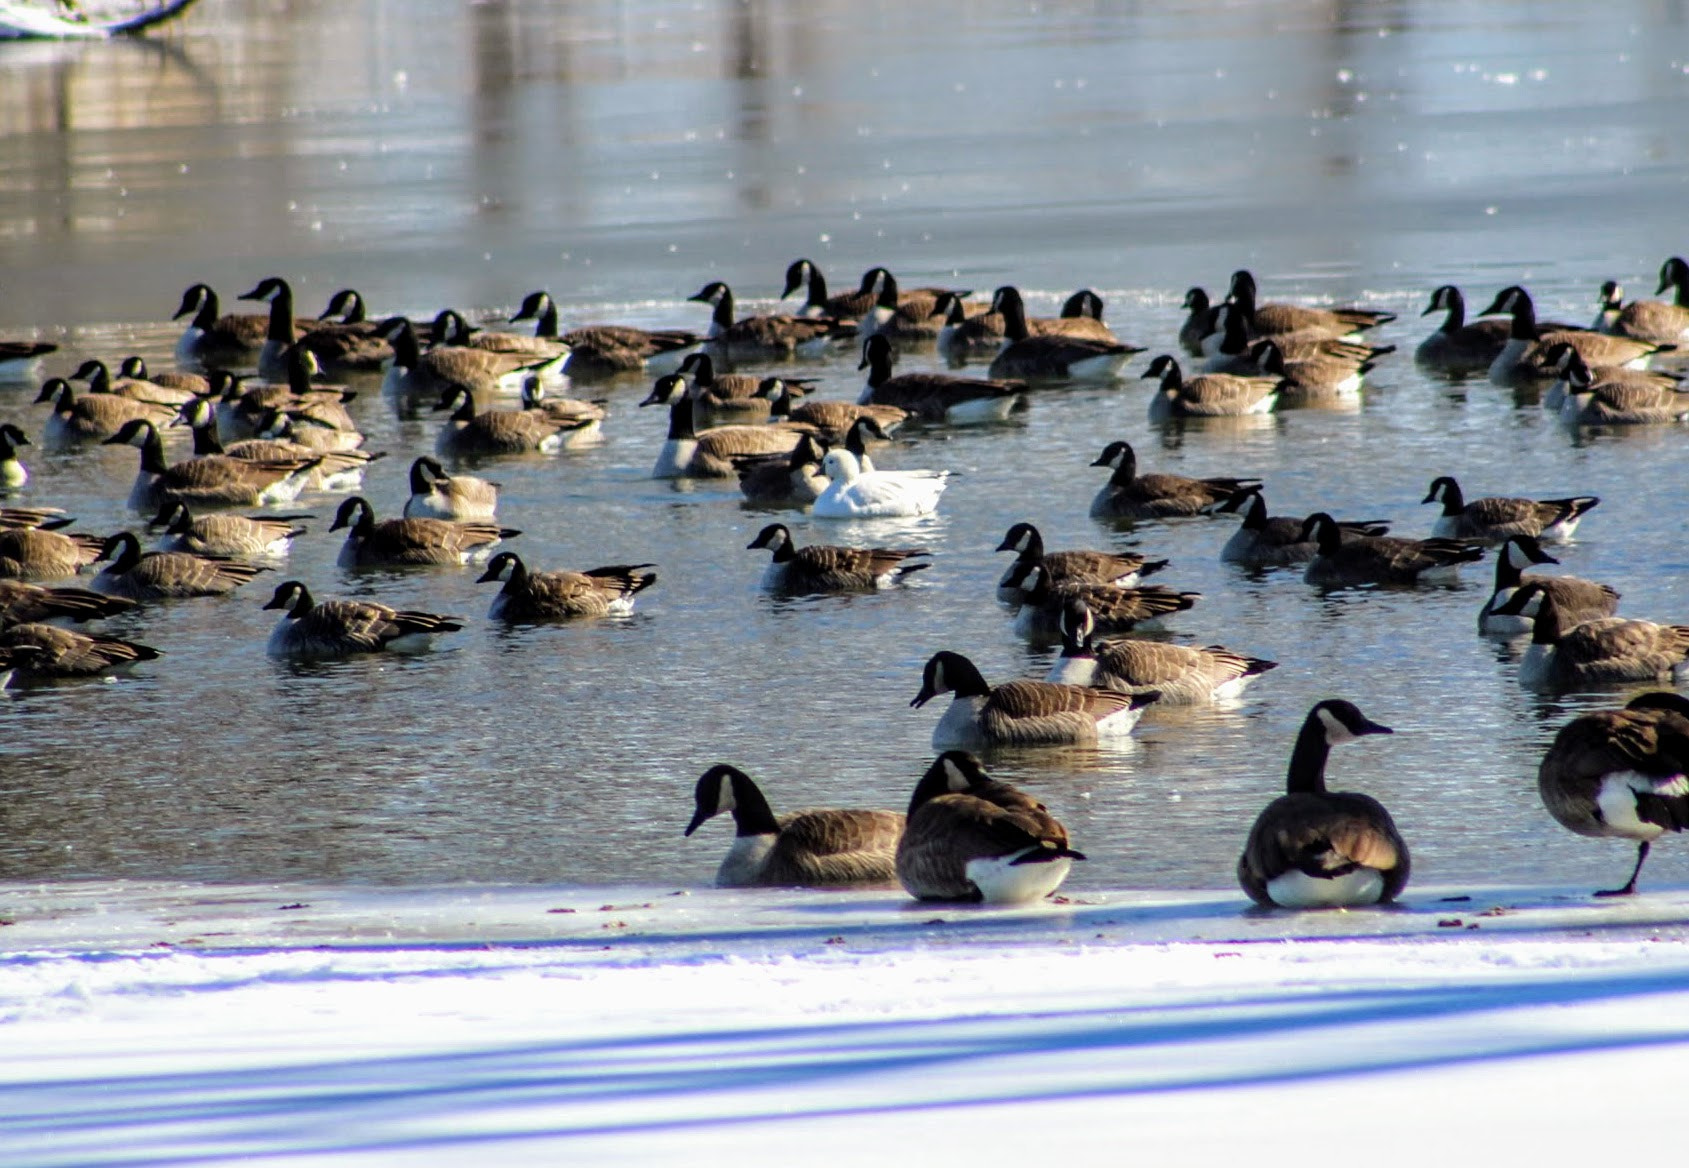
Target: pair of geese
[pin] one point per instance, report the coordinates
(967, 837)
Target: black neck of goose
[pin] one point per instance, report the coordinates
(545, 324)
(1076, 642)
(209, 310)
(1507, 573)
(298, 372)
(1524, 326)
(354, 312)
(681, 424)
(1546, 628)
(421, 484)
(152, 453)
(879, 365)
(888, 291)
(1243, 299)
(703, 371)
(205, 438)
(1172, 377)
(783, 551)
(1235, 340)
(517, 581)
(1679, 277)
(1127, 472)
(62, 397)
(751, 813)
(934, 783)
(1014, 317)
(364, 525)
(465, 411)
(1034, 549)
(302, 602)
(965, 679)
(407, 352)
(723, 315)
(1307, 760)
(1456, 305)
(281, 316)
(99, 381)
(817, 297)
(181, 520)
(1454, 499)
(7, 450)
(127, 552)
(1329, 537)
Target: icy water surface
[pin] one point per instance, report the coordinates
(621, 156)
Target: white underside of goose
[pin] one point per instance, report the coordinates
(1073, 671)
(347, 479)
(958, 727)
(667, 362)
(1500, 624)
(1617, 800)
(18, 368)
(187, 347)
(745, 860)
(1001, 881)
(1102, 367)
(1297, 889)
(674, 460)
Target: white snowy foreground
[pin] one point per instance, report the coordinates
(166, 1024)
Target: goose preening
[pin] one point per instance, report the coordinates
(340, 628)
(854, 493)
(1576, 600)
(1522, 359)
(1318, 381)
(936, 397)
(43, 652)
(94, 416)
(141, 575)
(1617, 397)
(1208, 395)
(212, 481)
(1129, 495)
(1314, 848)
(764, 337)
(1022, 713)
(1124, 569)
(543, 596)
(1563, 655)
(829, 567)
(438, 495)
(1116, 609)
(971, 838)
(39, 553)
(1263, 541)
(803, 849)
(1264, 320)
(25, 603)
(1494, 518)
(1621, 774)
(1182, 675)
(225, 535)
(1665, 321)
(410, 541)
(334, 470)
(1458, 347)
(1034, 356)
(1342, 561)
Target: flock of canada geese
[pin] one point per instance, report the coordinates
(259, 442)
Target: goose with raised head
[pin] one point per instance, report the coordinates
(783, 480)
(542, 596)
(470, 431)
(212, 340)
(1208, 395)
(212, 481)
(1662, 321)
(1022, 713)
(1198, 323)
(93, 416)
(25, 603)
(281, 329)
(1621, 774)
(846, 306)
(1265, 320)
(1123, 569)
(1182, 675)
(438, 495)
(1522, 359)
(805, 849)
(1578, 600)
(1563, 655)
(340, 628)
(1051, 356)
(853, 493)
(141, 575)
(1314, 848)
(1346, 560)
(689, 453)
(1609, 302)
(971, 838)
(936, 397)
(101, 382)
(13, 473)
(830, 568)
(411, 541)
(1116, 609)
(43, 652)
(346, 340)
(1458, 347)
(1494, 518)
(37, 553)
(755, 338)
(431, 374)
(1263, 541)
(1129, 495)
(243, 536)
(597, 351)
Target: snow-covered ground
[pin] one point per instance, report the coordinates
(156, 1024)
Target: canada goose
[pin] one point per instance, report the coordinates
(134, 368)
(1457, 347)
(1494, 518)
(1208, 395)
(1115, 609)
(806, 849)
(430, 375)
(540, 596)
(1276, 542)
(46, 518)
(1198, 323)
(212, 340)
(970, 838)
(43, 652)
(1046, 357)
(471, 431)
(783, 480)
(337, 470)
(36, 553)
(687, 453)
(242, 411)
(1665, 321)
(1521, 359)
(831, 419)
(1578, 600)
(1129, 495)
(846, 306)
(1234, 352)
(24, 603)
(213, 481)
(1181, 674)
(705, 379)
(984, 333)
(100, 381)
(830, 568)
(1346, 560)
(339, 628)
(93, 415)
(935, 397)
(450, 328)
(410, 541)
(13, 473)
(1320, 380)
(1563, 655)
(225, 535)
(1609, 302)
(1562, 362)
(854, 493)
(584, 418)
(1621, 773)
(281, 330)
(761, 337)
(18, 359)
(1264, 320)
(165, 575)
(1313, 848)
(303, 430)
(1618, 397)
(438, 495)
(1022, 713)
(1124, 569)
(598, 351)
(906, 319)
(346, 340)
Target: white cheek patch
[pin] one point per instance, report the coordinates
(1335, 731)
(954, 778)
